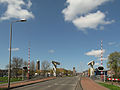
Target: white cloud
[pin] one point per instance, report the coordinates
(91, 20)
(80, 7)
(103, 59)
(111, 43)
(15, 9)
(96, 53)
(14, 49)
(29, 4)
(97, 64)
(51, 51)
(80, 13)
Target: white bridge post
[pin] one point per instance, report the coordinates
(55, 67)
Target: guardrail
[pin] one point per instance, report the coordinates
(113, 79)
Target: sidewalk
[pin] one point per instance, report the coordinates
(88, 84)
(23, 83)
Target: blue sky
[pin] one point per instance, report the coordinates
(60, 30)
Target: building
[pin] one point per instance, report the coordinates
(74, 72)
(63, 72)
(85, 73)
(38, 65)
(3, 73)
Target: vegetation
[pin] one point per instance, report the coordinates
(64, 72)
(3, 88)
(114, 63)
(32, 68)
(5, 79)
(19, 69)
(16, 66)
(111, 87)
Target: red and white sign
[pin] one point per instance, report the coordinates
(114, 79)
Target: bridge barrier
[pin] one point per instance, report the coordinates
(113, 79)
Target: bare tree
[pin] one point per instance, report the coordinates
(45, 66)
(32, 67)
(25, 63)
(16, 65)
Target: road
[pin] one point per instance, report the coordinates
(66, 83)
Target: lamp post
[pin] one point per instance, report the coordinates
(9, 69)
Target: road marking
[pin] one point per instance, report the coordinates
(49, 86)
(65, 84)
(55, 84)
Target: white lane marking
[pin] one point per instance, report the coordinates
(55, 84)
(65, 84)
(49, 86)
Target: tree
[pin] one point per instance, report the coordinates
(25, 63)
(32, 67)
(114, 62)
(69, 72)
(45, 66)
(25, 69)
(16, 65)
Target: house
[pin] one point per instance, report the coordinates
(3, 73)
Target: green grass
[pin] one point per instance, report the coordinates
(3, 89)
(5, 79)
(110, 86)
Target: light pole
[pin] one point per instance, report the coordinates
(9, 69)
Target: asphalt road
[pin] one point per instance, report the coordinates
(66, 83)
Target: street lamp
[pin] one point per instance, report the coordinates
(9, 69)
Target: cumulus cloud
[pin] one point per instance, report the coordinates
(15, 9)
(80, 7)
(51, 51)
(80, 13)
(14, 49)
(96, 53)
(91, 20)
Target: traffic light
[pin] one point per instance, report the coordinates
(25, 68)
(100, 71)
(100, 68)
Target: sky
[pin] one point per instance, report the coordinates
(67, 31)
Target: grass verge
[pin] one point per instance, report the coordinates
(111, 87)
(3, 89)
(5, 79)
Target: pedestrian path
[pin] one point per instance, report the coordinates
(88, 84)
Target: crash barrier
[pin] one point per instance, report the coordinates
(113, 79)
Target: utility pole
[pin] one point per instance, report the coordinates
(9, 69)
(28, 76)
(104, 76)
(101, 59)
(101, 53)
(102, 72)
